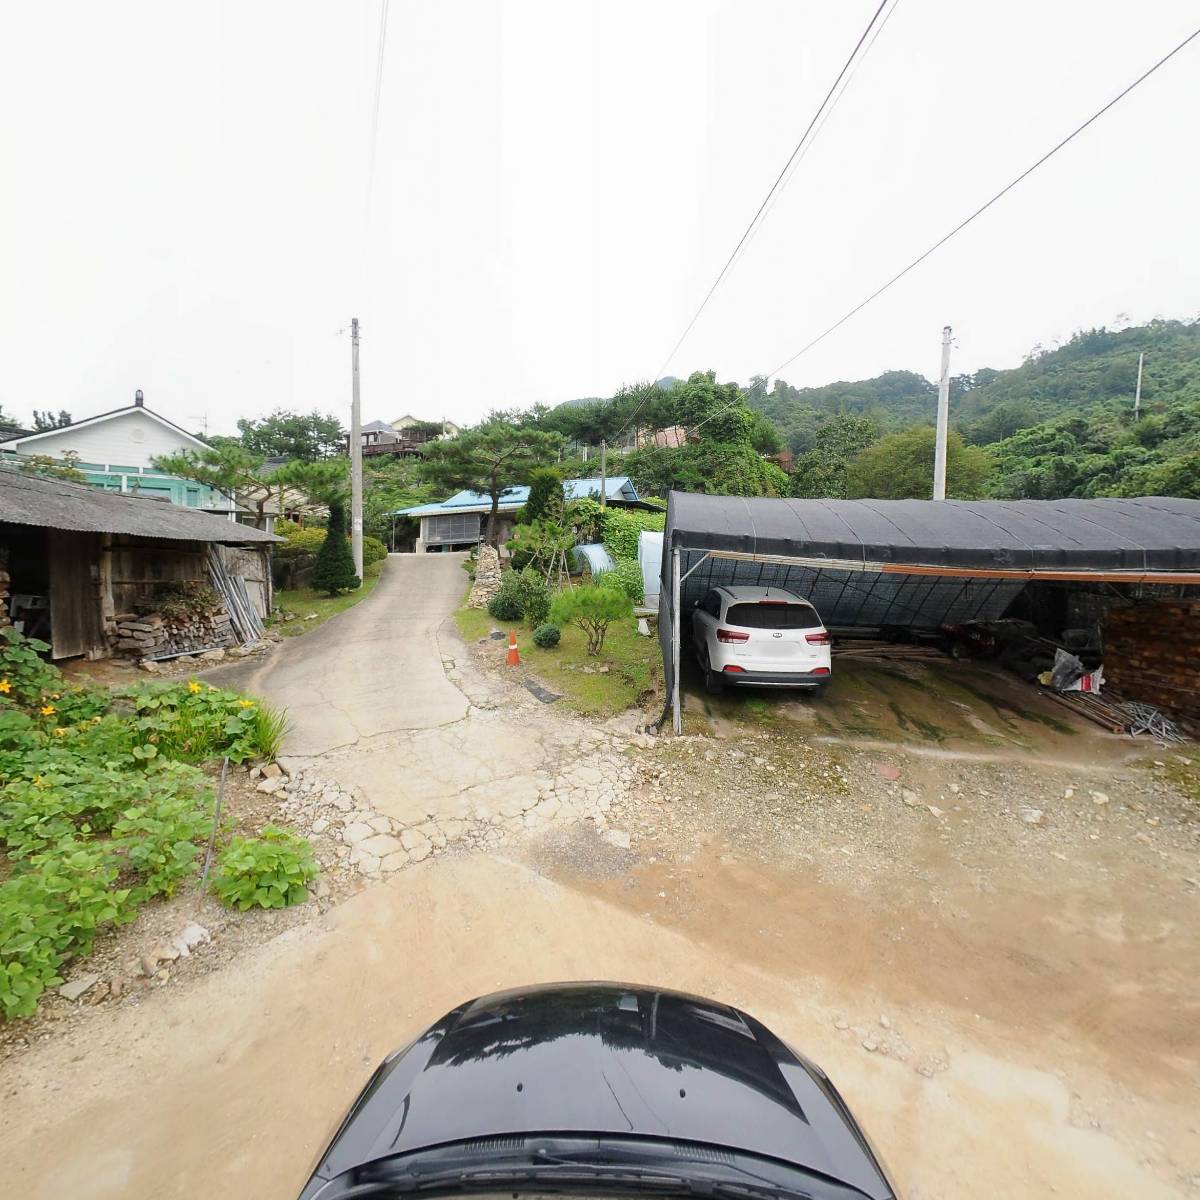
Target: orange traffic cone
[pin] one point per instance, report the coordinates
(514, 655)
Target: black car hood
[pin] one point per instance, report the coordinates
(605, 1058)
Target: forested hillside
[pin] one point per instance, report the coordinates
(1061, 424)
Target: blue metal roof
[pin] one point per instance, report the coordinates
(618, 487)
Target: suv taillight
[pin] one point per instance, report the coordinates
(729, 635)
(818, 639)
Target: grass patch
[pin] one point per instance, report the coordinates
(634, 663)
(315, 608)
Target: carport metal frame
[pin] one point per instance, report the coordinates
(999, 574)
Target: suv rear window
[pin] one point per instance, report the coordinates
(773, 616)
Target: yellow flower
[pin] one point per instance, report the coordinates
(5, 686)
(48, 710)
(95, 720)
(245, 704)
(37, 781)
(194, 687)
(59, 730)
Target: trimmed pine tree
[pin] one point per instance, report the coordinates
(333, 571)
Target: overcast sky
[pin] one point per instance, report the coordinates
(557, 184)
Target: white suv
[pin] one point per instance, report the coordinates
(758, 636)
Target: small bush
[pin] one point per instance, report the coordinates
(373, 551)
(25, 677)
(592, 609)
(547, 636)
(508, 603)
(271, 871)
(160, 840)
(627, 575)
(196, 721)
(534, 595)
(301, 540)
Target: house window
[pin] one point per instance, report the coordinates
(455, 527)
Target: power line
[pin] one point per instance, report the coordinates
(984, 207)
(978, 212)
(383, 23)
(754, 221)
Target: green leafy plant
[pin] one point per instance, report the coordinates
(270, 871)
(51, 913)
(195, 721)
(627, 575)
(373, 551)
(507, 603)
(547, 636)
(161, 839)
(592, 609)
(534, 595)
(25, 677)
(622, 526)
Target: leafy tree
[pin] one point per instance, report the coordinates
(283, 434)
(838, 440)
(900, 466)
(8, 425)
(66, 468)
(489, 459)
(324, 482)
(229, 468)
(333, 570)
(717, 411)
(43, 421)
(593, 609)
(722, 468)
(389, 484)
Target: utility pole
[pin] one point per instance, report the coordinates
(943, 420)
(603, 473)
(356, 520)
(1137, 395)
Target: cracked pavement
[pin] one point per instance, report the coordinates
(387, 707)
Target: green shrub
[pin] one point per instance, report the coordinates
(622, 526)
(301, 540)
(333, 571)
(25, 677)
(592, 609)
(160, 840)
(508, 603)
(373, 551)
(627, 575)
(546, 636)
(51, 913)
(586, 518)
(545, 496)
(271, 871)
(195, 721)
(534, 594)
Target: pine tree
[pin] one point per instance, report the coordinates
(333, 571)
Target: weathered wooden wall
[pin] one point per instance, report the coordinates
(253, 564)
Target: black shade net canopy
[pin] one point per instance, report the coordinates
(917, 563)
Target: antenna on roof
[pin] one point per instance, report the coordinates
(138, 399)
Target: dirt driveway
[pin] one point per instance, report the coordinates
(1007, 1000)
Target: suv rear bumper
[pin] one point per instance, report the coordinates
(773, 678)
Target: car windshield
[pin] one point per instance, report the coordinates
(772, 614)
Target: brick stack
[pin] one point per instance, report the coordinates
(487, 577)
(1152, 654)
(147, 636)
(5, 580)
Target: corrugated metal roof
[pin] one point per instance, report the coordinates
(618, 487)
(54, 504)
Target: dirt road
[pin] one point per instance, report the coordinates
(1009, 1007)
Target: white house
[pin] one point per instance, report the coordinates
(116, 451)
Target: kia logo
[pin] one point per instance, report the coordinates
(777, 635)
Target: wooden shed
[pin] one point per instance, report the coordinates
(74, 560)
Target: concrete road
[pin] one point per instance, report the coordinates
(373, 670)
